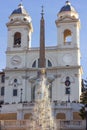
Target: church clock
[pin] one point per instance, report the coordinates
(15, 60)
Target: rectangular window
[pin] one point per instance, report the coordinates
(2, 78)
(2, 91)
(15, 92)
(67, 90)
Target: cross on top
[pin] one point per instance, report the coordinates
(42, 13)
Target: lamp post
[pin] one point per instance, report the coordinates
(86, 115)
(21, 95)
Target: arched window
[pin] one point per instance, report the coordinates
(2, 91)
(49, 63)
(67, 36)
(17, 39)
(36, 63)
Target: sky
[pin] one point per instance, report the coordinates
(51, 9)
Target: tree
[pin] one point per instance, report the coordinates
(84, 85)
(83, 100)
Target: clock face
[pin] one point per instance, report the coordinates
(67, 58)
(15, 60)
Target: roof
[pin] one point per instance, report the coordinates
(67, 7)
(20, 10)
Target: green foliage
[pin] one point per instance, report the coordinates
(83, 100)
(82, 113)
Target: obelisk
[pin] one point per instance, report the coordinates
(42, 64)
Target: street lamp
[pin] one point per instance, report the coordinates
(21, 95)
(86, 115)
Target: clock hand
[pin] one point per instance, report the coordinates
(16, 60)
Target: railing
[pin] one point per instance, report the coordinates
(13, 123)
(29, 104)
(63, 104)
(61, 124)
(77, 124)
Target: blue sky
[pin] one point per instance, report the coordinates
(51, 8)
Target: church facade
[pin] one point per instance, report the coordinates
(62, 61)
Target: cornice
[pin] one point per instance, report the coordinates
(36, 49)
(17, 23)
(48, 69)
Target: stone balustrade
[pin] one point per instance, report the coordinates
(24, 124)
(68, 125)
(10, 124)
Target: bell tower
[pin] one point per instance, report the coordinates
(19, 37)
(17, 53)
(68, 35)
(19, 29)
(68, 25)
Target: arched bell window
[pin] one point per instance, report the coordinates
(17, 39)
(67, 37)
